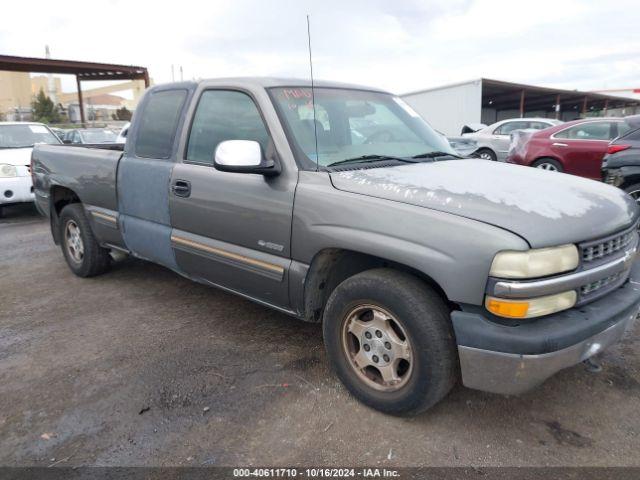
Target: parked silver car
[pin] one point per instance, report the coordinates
(492, 142)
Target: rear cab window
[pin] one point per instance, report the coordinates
(158, 124)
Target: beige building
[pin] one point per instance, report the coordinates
(41, 82)
(15, 93)
(18, 89)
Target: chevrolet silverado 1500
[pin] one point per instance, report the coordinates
(343, 206)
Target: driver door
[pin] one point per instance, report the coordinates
(230, 229)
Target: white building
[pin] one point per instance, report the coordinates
(450, 107)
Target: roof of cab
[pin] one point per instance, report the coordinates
(269, 82)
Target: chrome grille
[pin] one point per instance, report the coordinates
(610, 179)
(598, 250)
(598, 284)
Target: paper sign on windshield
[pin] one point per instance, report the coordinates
(38, 129)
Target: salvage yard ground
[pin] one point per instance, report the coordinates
(143, 367)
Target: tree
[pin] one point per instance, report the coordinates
(122, 114)
(44, 110)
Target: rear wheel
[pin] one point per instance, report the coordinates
(390, 341)
(85, 257)
(486, 154)
(548, 164)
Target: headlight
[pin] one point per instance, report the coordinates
(535, 307)
(535, 263)
(8, 171)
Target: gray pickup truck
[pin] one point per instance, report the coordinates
(342, 206)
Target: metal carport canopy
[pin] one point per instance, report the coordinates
(81, 70)
(516, 96)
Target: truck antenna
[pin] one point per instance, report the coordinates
(313, 95)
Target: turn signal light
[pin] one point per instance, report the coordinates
(505, 308)
(533, 307)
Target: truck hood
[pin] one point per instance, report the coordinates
(15, 156)
(545, 208)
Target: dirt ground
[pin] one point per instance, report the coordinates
(142, 367)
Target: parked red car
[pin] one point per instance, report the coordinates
(575, 147)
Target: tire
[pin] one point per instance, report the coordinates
(634, 191)
(486, 154)
(423, 319)
(85, 257)
(548, 164)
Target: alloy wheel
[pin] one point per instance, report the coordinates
(377, 347)
(73, 241)
(635, 194)
(547, 166)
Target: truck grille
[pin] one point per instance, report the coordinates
(598, 284)
(601, 249)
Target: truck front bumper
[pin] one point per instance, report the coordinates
(16, 190)
(513, 359)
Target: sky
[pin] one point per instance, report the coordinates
(401, 45)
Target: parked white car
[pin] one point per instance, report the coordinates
(122, 136)
(16, 142)
(492, 142)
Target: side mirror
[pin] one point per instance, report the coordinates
(66, 141)
(243, 156)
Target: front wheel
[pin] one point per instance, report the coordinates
(83, 253)
(390, 341)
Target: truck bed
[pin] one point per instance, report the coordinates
(89, 170)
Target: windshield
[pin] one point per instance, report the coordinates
(352, 124)
(25, 135)
(98, 136)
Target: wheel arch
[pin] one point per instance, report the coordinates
(546, 157)
(630, 180)
(331, 266)
(59, 197)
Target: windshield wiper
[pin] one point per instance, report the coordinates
(436, 154)
(370, 159)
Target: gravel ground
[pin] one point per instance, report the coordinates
(143, 367)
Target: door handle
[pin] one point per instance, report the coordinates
(181, 188)
(556, 144)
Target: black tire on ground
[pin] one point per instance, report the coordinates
(1, 211)
(424, 316)
(486, 154)
(548, 164)
(634, 191)
(95, 260)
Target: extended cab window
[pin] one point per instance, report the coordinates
(158, 124)
(223, 115)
